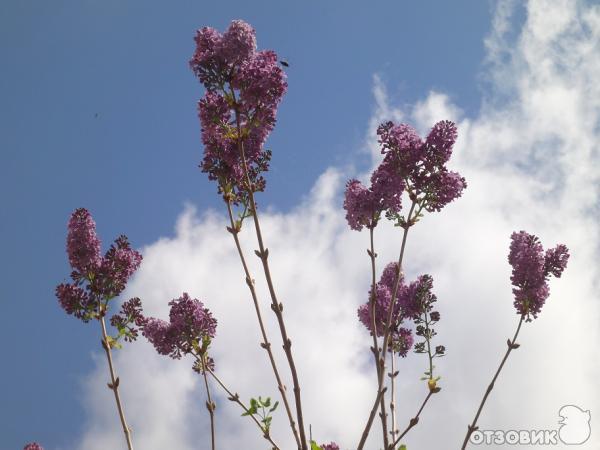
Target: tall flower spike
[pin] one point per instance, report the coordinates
(422, 164)
(83, 245)
(244, 88)
(531, 268)
(96, 279)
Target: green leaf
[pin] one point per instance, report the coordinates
(274, 407)
(402, 447)
(314, 446)
(267, 402)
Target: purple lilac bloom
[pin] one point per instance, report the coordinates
(402, 341)
(531, 268)
(359, 205)
(422, 163)
(417, 298)
(382, 306)
(412, 301)
(439, 143)
(83, 246)
(33, 446)
(383, 299)
(96, 279)
(330, 446)
(74, 300)
(238, 42)
(190, 323)
(156, 331)
(364, 206)
(129, 319)
(118, 265)
(238, 111)
(555, 260)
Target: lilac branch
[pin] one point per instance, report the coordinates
(114, 384)
(234, 230)
(379, 363)
(234, 397)
(511, 346)
(412, 421)
(210, 405)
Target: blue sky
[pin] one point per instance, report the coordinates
(99, 110)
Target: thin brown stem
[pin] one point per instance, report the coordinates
(412, 421)
(114, 384)
(379, 364)
(511, 346)
(393, 396)
(388, 328)
(234, 397)
(234, 230)
(276, 306)
(210, 406)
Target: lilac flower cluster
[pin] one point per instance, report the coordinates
(330, 446)
(364, 205)
(531, 267)
(427, 317)
(243, 90)
(412, 300)
(190, 328)
(422, 164)
(129, 319)
(33, 446)
(83, 245)
(96, 279)
(410, 164)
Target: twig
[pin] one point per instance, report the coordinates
(236, 398)
(379, 363)
(393, 397)
(413, 421)
(114, 383)
(210, 405)
(234, 230)
(511, 346)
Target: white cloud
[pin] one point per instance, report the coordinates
(531, 160)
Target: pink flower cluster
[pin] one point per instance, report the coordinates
(364, 205)
(531, 268)
(96, 278)
(410, 164)
(422, 164)
(330, 446)
(190, 328)
(243, 90)
(33, 446)
(412, 300)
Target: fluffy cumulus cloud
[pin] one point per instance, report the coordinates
(531, 158)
